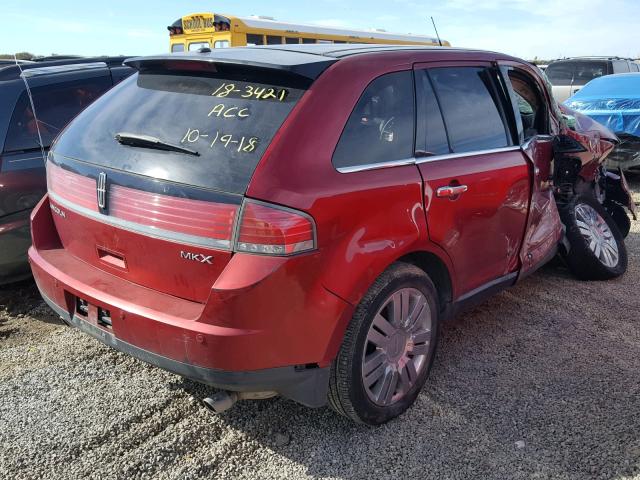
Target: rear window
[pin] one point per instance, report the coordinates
(55, 106)
(229, 119)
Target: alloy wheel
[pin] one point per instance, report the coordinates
(397, 346)
(598, 235)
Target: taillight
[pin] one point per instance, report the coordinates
(274, 230)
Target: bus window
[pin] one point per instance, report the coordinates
(253, 39)
(291, 40)
(198, 45)
(177, 47)
(325, 41)
(339, 41)
(308, 40)
(273, 40)
(221, 44)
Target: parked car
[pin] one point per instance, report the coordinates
(614, 101)
(298, 220)
(60, 90)
(571, 74)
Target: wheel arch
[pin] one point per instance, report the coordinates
(437, 269)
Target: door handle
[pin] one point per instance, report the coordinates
(451, 190)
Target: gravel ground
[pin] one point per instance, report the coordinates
(539, 382)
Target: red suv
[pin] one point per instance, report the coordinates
(298, 220)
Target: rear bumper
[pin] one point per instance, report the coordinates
(306, 386)
(261, 329)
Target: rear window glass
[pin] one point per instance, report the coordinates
(55, 106)
(229, 119)
(381, 126)
(470, 108)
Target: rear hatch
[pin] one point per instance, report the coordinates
(148, 183)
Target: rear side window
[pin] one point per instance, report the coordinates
(228, 118)
(470, 107)
(560, 73)
(587, 71)
(381, 126)
(55, 106)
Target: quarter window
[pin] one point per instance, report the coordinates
(381, 127)
(470, 108)
(55, 106)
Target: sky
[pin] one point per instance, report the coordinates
(525, 28)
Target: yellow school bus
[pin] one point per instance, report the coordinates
(210, 30)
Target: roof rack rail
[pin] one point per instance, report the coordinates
(34, 72)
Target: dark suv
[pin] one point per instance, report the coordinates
(60, 90)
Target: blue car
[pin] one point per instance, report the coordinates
(614, 101)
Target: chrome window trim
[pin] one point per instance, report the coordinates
(447, 156)
(161, 234)
(376, 166)
(433, 158)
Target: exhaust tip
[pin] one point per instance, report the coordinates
(220, 402)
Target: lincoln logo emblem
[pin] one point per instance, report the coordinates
(102, 191)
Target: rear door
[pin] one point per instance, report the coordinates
(476, 180)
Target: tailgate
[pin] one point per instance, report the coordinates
(155, 234)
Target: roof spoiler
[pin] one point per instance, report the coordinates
(307, 67)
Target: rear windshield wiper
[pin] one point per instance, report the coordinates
(147, 141)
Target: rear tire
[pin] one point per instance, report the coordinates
(388, 347)
(597, 248)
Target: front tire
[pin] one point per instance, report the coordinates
(597, 249)
(388, 347)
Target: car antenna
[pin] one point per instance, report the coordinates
(33, 107)
(434, 27)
